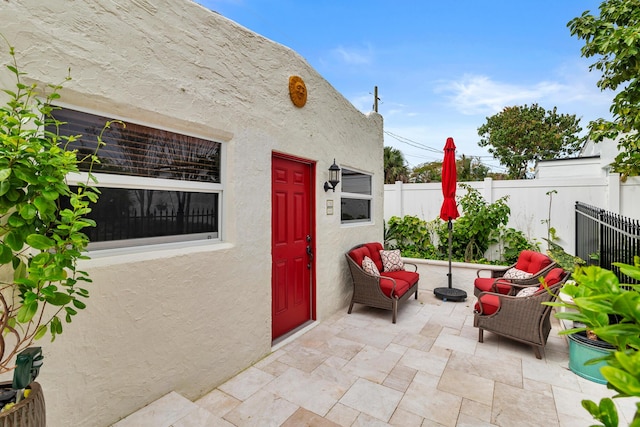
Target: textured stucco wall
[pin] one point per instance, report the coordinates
(172, 317)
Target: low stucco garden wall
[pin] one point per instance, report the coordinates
(433, 274)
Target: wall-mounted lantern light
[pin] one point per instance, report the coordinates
(334, 174)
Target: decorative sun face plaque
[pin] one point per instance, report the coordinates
(297, 91)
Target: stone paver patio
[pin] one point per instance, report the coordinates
(426, 370)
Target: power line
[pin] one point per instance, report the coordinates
(421, 146)
(413, 143)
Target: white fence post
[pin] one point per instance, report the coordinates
(613, 186)
(487, 191)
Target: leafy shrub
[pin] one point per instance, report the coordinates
(41, 240)
(513, 242)
(481, 225)
(475, 230)
(412, 235)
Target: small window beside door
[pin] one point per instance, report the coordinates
(355, 203)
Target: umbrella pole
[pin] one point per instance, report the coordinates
(450, 237)
(449, 293)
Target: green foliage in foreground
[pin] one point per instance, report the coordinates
(41, 240)
(598, 299)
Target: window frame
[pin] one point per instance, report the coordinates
(357, 196)
(111, 180)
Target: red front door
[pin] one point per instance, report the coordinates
(291, 245)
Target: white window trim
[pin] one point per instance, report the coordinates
(109, 180)
(143, 183)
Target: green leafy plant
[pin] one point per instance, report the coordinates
(513, 242)
(551, 231)
(476, 229)
(41, 240)
(481, 225)
(562, 258)
(612, 311)
(411, 235)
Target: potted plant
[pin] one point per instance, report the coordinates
(41, 223)
(600, 303)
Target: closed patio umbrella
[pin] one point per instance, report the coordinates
(449, 212)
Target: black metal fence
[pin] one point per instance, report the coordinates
(132, 224)
(603, 238)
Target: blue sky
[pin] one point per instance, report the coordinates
(441, 68)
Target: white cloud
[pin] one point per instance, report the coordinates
(354, 56)
(572, 89)
(473, 95)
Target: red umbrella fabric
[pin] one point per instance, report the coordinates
(449, 210)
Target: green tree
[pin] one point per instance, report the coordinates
(614, 38)
(467, 169)
(395, 167)
(426, 172)
(521, 135)
(471, 169)
(498, 176)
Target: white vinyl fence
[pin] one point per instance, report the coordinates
(528, 201)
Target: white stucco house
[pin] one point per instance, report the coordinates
(216, 236)
(594, 160)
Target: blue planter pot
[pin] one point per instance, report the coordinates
(581, 350)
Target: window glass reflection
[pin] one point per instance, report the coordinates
(139, 213)
(355, 182)
(355, 209)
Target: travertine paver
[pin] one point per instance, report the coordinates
(428, 369)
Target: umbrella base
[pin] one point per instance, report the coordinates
(450, 294)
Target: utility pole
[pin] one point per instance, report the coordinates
(375, 99)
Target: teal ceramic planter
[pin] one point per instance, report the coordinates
(581, 350)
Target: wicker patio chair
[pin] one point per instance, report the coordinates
(386, 290)
(523, 318)
(533, 264)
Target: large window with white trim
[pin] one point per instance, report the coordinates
(156, 186)
(356, 197)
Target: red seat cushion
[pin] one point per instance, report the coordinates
(485, 284)
(532, 261)
(402, 286)
(358, 254)
(554, 276)
(374, 249)
(408, 276)
(490, 304)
